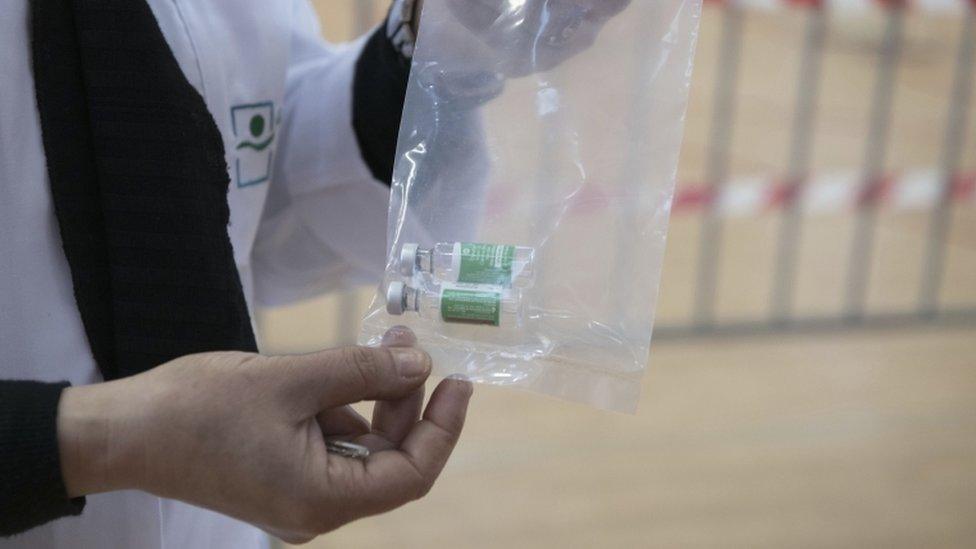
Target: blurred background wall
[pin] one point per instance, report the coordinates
(813, 377)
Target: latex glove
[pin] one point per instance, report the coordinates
(484, 42)
(529, 36)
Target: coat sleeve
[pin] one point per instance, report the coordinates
(32, 490)
(324, 223)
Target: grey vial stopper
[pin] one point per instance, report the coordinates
(408, 258)
(396, 297)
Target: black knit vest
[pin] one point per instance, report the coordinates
(139, 185)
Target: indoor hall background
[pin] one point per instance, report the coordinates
(812, 380)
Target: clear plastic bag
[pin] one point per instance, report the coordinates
(552, 126)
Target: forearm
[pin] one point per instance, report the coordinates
(60, 443)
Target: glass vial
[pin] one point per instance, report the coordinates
(471, 263)
(457, 303)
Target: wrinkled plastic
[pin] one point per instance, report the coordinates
(554, 125)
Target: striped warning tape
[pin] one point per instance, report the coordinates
(745, 197)
(924, 6)
(833, 193)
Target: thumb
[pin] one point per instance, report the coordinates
(336, 377)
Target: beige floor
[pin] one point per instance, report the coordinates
(857, 439)
(854, 440)
(864, 440)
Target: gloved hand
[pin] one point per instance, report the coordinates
(493, 40)
(535, 35)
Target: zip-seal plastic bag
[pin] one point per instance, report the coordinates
(532, 190)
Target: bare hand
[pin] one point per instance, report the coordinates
(244, 434)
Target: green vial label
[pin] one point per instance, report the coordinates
(486, 264)
(478, 307)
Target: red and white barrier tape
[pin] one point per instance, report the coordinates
(833, 193)
(945, 7)
(749, 197)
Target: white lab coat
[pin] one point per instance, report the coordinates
(306, 216)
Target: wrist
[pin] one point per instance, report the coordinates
(90, 442)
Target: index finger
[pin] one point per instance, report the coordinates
(393, 478)
(393, 419)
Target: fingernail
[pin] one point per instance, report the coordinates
(398, 336)
(464, 382)
(410, 362)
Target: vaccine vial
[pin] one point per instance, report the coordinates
(458, 303)
(471, 263)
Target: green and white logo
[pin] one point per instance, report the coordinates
(254, 131)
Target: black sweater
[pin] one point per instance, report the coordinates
(32, 490)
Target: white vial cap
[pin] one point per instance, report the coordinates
(395, 294)
(408, 258)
